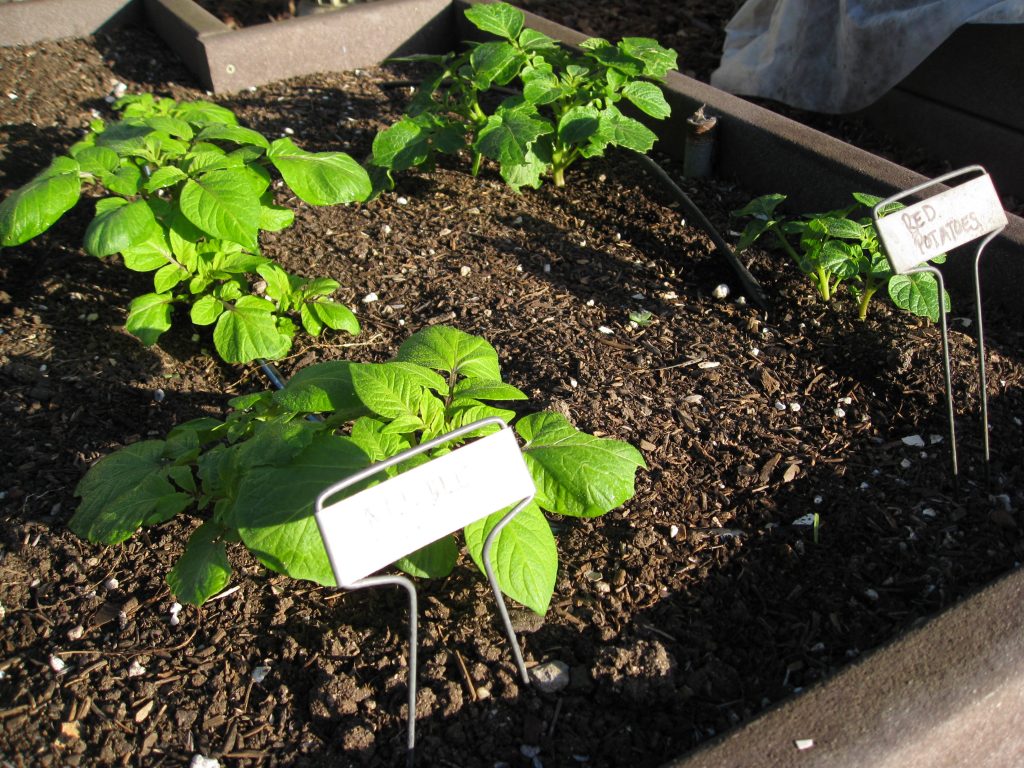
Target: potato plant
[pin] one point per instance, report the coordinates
(255, 475)
(187, 191)
(563, 106)
(834, 249)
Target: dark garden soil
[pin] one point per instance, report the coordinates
(682, 614)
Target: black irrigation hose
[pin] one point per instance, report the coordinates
(271, 372)
(749, 282)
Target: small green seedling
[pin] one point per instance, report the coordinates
(833, 249)
(563, 106)
(255, 475)
(188, 191)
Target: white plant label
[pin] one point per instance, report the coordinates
(952, 218)
(377, 526)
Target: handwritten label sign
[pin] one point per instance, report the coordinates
(922, 231)
(379, 525)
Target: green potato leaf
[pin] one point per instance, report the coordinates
(510, 131)
(322, 388)
(119, 225)
(453, 352)
(249, 330)
(33, 208)
(648, 98)
(149, 316)
(320, 178)
(499, 19)
(524, 555)
(495, 64)
(576, 473)
(203, 569)
(434, 561)
(917, 292)
(224, 203)
(274, 507)
(121, 491)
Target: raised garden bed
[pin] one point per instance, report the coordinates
(680, 616)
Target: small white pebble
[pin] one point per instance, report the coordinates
(846, 400)
(755, 351)
(386, 229)
(465, 271)
(707, 364)
(573, 383)
(289, 132)
(605, 330)
(839, 412)
(794, 407)
(517, 220)
(136, 669)
(819, 499)
(865, 485)
(199, 761)
(741, 300)
(259, 674)
(906, 464)
(639, 297)
(669, 295)
(929, 513)
(915, 441)
(673, 531)
(158, 395)
(779, 405)
(12, 96)
(590, 302)
(57, 664)
(547, 268)
(721, 291)
(76, 632)
(402, 200)
(803, 521)
(933, 439)
(871, 594)
(370, 298)
(111, 584)
(803, 744)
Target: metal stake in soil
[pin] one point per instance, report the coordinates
(911, 236)
(356, 531)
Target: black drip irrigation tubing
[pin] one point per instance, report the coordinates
(747, 280)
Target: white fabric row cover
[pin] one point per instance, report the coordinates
(838, 56)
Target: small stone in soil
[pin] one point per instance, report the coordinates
(721, 291)
(803, 744)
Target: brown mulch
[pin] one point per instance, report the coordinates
(681, 615)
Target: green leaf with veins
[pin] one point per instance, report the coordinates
(149, 316)
(453, 352)
(499, 19)
(576, 473)
(274, 508)
(225, 204)
(524, 555)
(249, 330)
(319, 178)
(122, 490)
(203, 569)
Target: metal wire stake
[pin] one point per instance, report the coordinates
(982, 376)
(945, 369)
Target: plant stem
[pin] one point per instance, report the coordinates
(823, 287)
(477, 160)
(558, 173)
(865, 297)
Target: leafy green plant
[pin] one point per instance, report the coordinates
(187, 192)
(833, 249)
(565, 106)
(255, 475)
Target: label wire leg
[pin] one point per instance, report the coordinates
(517, 654)
(410, 588)
(982, 377)
(948, 375)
